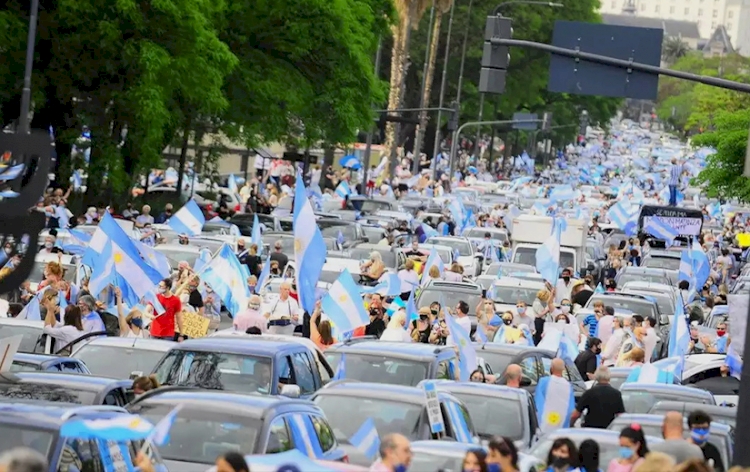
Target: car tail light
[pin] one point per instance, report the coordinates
(345, 459)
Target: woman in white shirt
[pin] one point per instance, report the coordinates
(71, 328)
(409, 279)
(131, 326)
(395, 330)
(455, 274)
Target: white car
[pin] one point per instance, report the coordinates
(508, 291)
(467, 257)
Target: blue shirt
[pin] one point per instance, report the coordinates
(92, 323)
(592, 323)
(674, 175)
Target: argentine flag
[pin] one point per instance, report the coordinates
(343, 304)
(548, 258)
(555, 402)
(389, 285)
(343, 190)
(120, 428)
(649, 374)
(224, 275)
(433, 260)
(104, 273)
(467, 355)
(188, 220)
(309, 247)
(366, 439)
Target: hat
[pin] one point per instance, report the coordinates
(424, 311)
(578, 282)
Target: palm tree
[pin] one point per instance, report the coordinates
(409, 13)
(673, 49)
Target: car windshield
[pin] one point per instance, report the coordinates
(348, 232)
(380, 369)
(627, 276)
(664, 302)
(527, 256)
(389, 258)
(478, 233)
(641, 402)
(497, 360)
(372, 206)
(459, 245)
(45, 393)
(445, 255)
(506, 419)
(626, 305)
(19, 366)
(216, 371)
(423, 460)
(130, 361)
(668, 263)
(448, 298)
(176, 256)
(505, 270)
(347, 414)
(30, 335)
(200, 436)
(512, 295)
(13, 436)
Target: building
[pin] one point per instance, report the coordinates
(686, 30)
(733, 15)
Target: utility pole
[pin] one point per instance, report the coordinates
(422, 115)
(438, 137)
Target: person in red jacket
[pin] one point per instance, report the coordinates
(163, 326)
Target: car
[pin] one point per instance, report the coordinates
(210, 423)
(609, 442)
(640, 397)
(274, 462)
(667, 297)
(40, 362)
(617, 377)
(506, 292)
(721, 435)
(476, 234)
(176, 253)
(66, 388)
(448, 294)
(448, 455)
(660, 259)
(467, 256)
(394, 409)
(534, 362)
(508, 269)
(37, 426)
(135, 356)
(242, 366)
(391, 258)
(721, 414)
(40, 262)
(644, 274)
(513, 410)
(392, 363)
(704, 371)
(351, 232)
(33, 340)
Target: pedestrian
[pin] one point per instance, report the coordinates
(542, 308)
(605, 326)
(395, 331)
(22, 459)
(285, 313)
(231, 461)
(144, 218)
(633, 449)
(588, 456)
(674, 180)
(475, 460)
(554, 399)
(513, 375)
(564, 285)
(649, 338)
(409, 279)
(253, 261)
(601, 403)
(250, 317)
(320, 331)
(675, 445)
(502, 455)
(590, 323)
(131, 326)
(562, 456)
(422, 327)
(378, 319)
(699, 423)
(614, 344)
(462, 319)
(278, 256)
(163, 326)
(395, 454)
(69, 330)
(586, 362)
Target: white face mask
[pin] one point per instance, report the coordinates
(565, 309)
(560, 322)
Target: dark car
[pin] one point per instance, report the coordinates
(534, 362)
(640, 398)
(241, 365)
(40, 362)
(210, 423)
(393, 362)
(37, 426)
(64, 388)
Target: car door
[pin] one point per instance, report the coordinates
(327, 439)
(304, 435)
(114, 397)
(279, 438)
(304, 377)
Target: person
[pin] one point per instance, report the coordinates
(562, 456)
(675, 445)
(415, 253)
(285, 313)
(163, 217)
(606, 325)
(542, 308)
(502, 455)
(163, 326)
(131, 326)
(475, 460)
(462, 319)
(144, 384)
(513, 375)
(634, 358)
(649, 338)
(278, 256)
(522, 316)
(588, 456)
(586, 360)
(633, 449)
(602, 402)
(376, 326)
(563, 286)
(195, 298)
(433, 273)
(23, 459)
(695, 465)
(250, 317)
(590, 323)
(91, 319)
(395, 454)
(252, 261)
(477, 376)
(613, 346)
(509, 334)
(144, 218)
(554, 398)
(422, 326)
(231, 461)
(395, 330)
(487, 249)
(67, 331)
(699, 423)
(455, 273)
(675, 172)
(409, 279)
(320, 331)
(656, 462)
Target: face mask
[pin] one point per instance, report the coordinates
(566, 278)
(137, 322)
(720, 332)
(559, 462)
(254, 307)
(626, 452)
(423, 317)
(400, 468)
(161, 290)
(434, 312)
(699, 435)
(8, 250)
(561, 321)
(565, 308)
(507, 321)
(48, 245)
(521, 310)
(493, 468)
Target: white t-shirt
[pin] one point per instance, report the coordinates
(465, 323)
(409, 280)
(562, 290)
(396, 334)
(66, 334)
(284, 309)
(649, 343)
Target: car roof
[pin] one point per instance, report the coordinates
(378, 391)
(231, 333)
(413, 351)
(657, 419)
(178, 248)
(132, 343)
(37, 359)
(667, 388)
(235, 345)
(645, 270)
(713, 410)
(519, 282)
(606, 434)
(52, 415)
(460, 286)
(23, 322)
(513, 349)
(442, 448)
(489, 390)
(648, 286)
(253, 405)
(664, 253)
(80, 382)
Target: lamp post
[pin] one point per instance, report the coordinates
(23, 120)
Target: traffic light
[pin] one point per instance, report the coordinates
(453, 119)
(495, 58)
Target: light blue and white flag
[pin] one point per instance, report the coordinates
(157, 260)
(343, 304)
(366, 439)
(555, 403)
(433, 260)
(467, 355)
(225, 276)
(309, 247)
(104, 273)
(160, 434)
(31, 311)
(256, 234)
(649, 374)
(599, 288)
(188, 220)
(204, 257)
(734, 362)
(625, 216)
(265, 272)
(660, 229)
(350, 161)
(548, 254)
(389, 285)
(119, 429)
(11, 173)
(305, 436)
(429, 231)
(343, 190)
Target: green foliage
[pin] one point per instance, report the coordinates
(722, 176)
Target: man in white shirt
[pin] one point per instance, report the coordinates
(606, 325)
(564, 286)
(650, 338)
(612, 348)
(463, 320)
(285, 312)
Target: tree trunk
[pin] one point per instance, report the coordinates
(430, 75)
(183, 154)
(397, 63)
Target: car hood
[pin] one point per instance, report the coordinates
(186, 466)
(356, 456)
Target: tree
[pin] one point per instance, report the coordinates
(722, 176)
(673, 49)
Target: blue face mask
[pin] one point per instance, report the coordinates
(493, 468)
(137, 322)
(699, 435)
(399, 468)
(626, 452)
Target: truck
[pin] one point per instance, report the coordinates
(531, 231)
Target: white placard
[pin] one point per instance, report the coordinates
(573, 331)
(684, 226)
(738, 305)
(8, 348)
(433, 408)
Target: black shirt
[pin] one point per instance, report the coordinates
(711, 452)
(281, 258)
(253, 263)
(582, 297)
(195, 299)
(586, 363)
(603, 403)
(413, 253)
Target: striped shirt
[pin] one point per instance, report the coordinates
(674, 175)
(592, 323)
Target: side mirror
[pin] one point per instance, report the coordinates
(525, 381)
(663, 319)
(135, 374)
(291, 391)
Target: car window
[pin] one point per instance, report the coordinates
(30, 335)
(79, 454)
(72, 367)
(506, 419)
(98, 360)
(303, 372)
(380, 369)
(530, 368)
(114, 398)
(346, 414)
(446, 371)
(325, 433)
(278, 437)
(15, 435)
